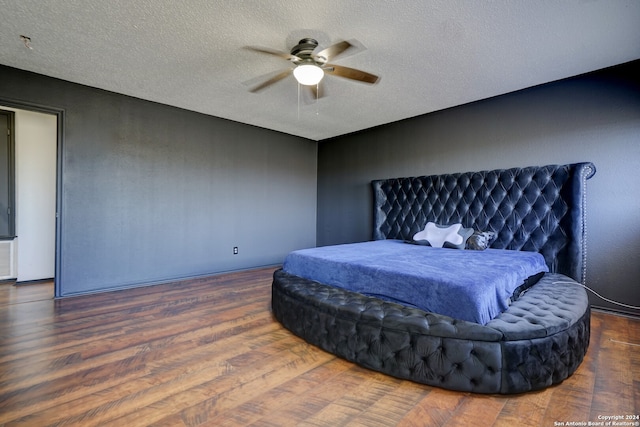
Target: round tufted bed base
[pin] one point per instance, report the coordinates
(539, 341)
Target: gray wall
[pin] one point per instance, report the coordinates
(152, 193)
(589, 118)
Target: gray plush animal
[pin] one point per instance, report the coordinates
(480, 240)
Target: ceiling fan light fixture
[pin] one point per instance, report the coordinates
(308, 74)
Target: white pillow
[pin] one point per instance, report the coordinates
(437, 235)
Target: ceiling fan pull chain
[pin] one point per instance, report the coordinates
(298, 101)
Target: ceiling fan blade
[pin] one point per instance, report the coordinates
(273, 52)
(276, 78)
(334, 50)
(350, 73)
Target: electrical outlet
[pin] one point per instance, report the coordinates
(235, 250)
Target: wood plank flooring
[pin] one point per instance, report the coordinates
(208, 352)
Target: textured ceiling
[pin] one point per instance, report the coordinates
(429, 54)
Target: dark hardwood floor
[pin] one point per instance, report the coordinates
(208, 352)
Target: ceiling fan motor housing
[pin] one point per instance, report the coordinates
(305, 47)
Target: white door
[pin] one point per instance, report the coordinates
(35, 181)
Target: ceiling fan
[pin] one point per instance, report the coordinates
(309, 67)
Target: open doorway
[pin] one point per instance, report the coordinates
(33, 251)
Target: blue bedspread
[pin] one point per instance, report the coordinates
(463, 284)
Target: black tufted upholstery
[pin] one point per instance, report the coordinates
(536, 209)
(540, 340)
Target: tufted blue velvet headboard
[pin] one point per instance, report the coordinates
(538, 208)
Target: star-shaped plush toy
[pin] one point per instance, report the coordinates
(437, 235)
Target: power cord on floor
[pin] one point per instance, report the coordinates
(624, 342)
(598, 295)
(608, 300)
